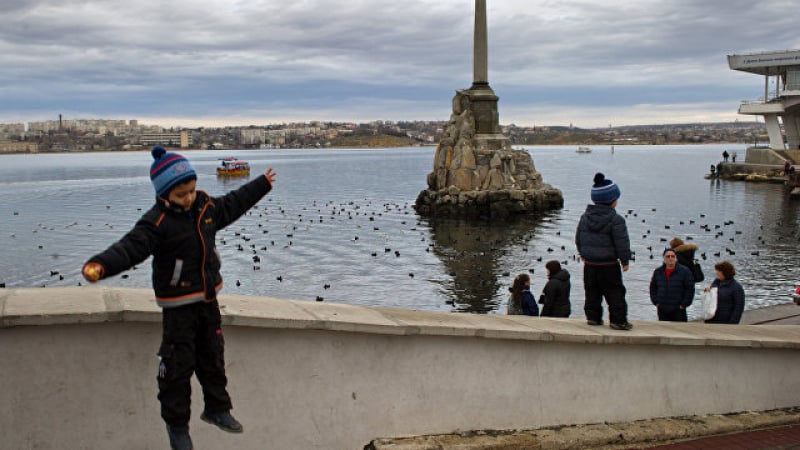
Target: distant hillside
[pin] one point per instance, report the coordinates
(379, 140)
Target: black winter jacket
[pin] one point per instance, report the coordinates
(678, 291)
(602, 236)
(186, 265)
(555, 295)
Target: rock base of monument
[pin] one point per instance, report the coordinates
(476, 173)
(452, 202)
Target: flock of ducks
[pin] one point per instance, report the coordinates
(268, 228)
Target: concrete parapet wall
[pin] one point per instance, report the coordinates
(765, 156)
(732, 170)
(79, 367)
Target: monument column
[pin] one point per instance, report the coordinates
(484, 102)
(480, 62)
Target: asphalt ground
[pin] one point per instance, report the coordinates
(780, 438)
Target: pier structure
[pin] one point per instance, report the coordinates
(780, 105)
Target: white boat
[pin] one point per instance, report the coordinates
(582, 149)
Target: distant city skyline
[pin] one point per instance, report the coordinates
(216, 63)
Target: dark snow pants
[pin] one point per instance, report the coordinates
(192, 342)
(604, 281)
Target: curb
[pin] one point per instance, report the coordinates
(612, 436)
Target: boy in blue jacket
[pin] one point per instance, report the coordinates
(605, 249)
(179, 231)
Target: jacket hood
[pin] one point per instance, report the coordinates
(686, 247)
(599, 217)
(562, 275)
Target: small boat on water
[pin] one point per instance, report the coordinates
(583, 149)
(232, 167)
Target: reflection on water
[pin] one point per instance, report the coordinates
(472, 254)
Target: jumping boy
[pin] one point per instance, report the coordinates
(179, 232)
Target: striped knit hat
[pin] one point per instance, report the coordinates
(604, 191)
(169, 170)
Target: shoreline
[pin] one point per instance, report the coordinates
(366, 147)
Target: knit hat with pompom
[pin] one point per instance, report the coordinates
(604, 191)
(169, 170)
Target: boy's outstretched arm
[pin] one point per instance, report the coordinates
(136, 246)
(232, 205)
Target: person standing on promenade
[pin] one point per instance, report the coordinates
(672, 288)
(555, 295)
(179, 231)
(733, 156)
(730, 295)
(521, 301)
(725, 155)
(604, 245)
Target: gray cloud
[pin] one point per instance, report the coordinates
(387, 59)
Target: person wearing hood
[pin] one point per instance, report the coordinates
(685, 253)
(605, 250)
(555, 295)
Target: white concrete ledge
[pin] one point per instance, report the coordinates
(79, 368)
(97, 304)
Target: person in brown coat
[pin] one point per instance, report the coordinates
(685, 252)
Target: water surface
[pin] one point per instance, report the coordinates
(340, 225)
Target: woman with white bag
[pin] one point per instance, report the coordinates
(730, 295)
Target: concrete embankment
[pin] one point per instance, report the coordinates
(79, 368)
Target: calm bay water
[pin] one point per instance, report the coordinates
(340, 225)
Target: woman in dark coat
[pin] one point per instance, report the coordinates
(730, 295)
(555, 295)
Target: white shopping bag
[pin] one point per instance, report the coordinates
(709, 303)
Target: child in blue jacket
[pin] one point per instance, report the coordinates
(521, 300)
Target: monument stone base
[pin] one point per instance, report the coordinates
(479, 174)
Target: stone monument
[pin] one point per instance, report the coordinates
(476, 173)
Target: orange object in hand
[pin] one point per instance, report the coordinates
(92, 272)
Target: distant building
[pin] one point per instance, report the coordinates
(168, 139)
(102, 126)
(12, 130)
(252, 137)
(18, 147)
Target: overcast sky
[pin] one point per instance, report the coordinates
(592, 63)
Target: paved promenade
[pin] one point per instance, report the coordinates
(782, 438)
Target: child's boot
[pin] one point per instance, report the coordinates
(179, 438)
(224, 420)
